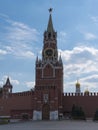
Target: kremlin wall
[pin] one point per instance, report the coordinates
(16, 104)
(47, 101)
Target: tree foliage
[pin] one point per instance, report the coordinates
(96, 115)
(77, 113)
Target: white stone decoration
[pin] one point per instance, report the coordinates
(54, 115)
(45, 97)
(37, 115)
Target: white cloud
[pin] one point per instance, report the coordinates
(89, 36)
(82, 62)
(20, 51)
(62, 37)
(30, 84)
(27, 54)
(20, 32)
(4, 16)
(62, 34)
(1, 83)
(78, 53)
(94, 19)
(19, 38)
(86, 83)
(89, 82)
(3, 52)
(14, 82)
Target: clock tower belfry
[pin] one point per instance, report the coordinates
(50, 42)
(49, 78)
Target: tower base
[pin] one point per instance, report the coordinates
(37, 115)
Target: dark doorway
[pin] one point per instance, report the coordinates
(45, 112)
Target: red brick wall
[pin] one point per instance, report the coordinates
(88, 103)
(16, 101)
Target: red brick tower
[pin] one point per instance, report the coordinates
(7, 88)
(49, 78)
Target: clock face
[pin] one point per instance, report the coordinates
(49, 52)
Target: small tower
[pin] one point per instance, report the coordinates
(7, 88)
(78, 87)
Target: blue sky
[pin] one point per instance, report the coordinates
(22, 24)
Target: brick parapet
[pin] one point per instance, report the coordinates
(81, 94)
(27, 93)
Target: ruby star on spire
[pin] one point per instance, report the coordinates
(50, 10)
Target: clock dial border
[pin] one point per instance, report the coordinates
(46, 52)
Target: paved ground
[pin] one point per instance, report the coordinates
(51, 125)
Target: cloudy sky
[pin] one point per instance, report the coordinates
(22, 24)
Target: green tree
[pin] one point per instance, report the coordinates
(96, 115)
(77, 112)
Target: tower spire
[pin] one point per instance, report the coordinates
(50, 24)
(8, 81)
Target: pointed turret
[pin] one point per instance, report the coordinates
(60, 60)
(50, 25)
(37, 59)
(7, 86)
(50, 33)
(8, 82)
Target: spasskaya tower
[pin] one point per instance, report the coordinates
(49, 78)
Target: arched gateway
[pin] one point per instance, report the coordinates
(45, 112)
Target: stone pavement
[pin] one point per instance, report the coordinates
(51, 125)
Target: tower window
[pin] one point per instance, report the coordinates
(49, 35)
(53, 36)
